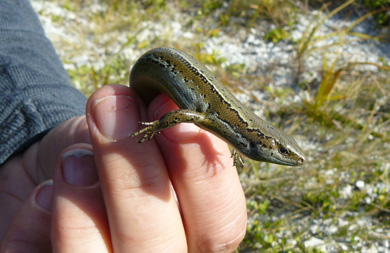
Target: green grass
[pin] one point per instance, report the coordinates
(343, 120)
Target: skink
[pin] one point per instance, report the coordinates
(205, 101)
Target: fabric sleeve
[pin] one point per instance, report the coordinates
(35, 91)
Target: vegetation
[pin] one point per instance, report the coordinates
(342, 117)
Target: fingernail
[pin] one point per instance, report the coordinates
(112, 116)
(79, 168)
(44, 195)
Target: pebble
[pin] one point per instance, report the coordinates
(313, 242)
(360, 184)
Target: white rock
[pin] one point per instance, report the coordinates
(346, 191)
(313, 242)
(360, 184)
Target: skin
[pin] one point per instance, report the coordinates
(118, 195)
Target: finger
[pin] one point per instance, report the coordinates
(208, 187)
(34, 166)
(72, 131)
(15, 172)
(142, 210)
(30, 229)
(79, 221)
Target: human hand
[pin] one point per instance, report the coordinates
(117, 194)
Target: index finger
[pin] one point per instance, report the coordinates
(142, 211)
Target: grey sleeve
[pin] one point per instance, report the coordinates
(35, 91)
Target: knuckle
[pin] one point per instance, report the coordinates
(227, 242)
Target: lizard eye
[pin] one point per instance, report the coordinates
(283, 150)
